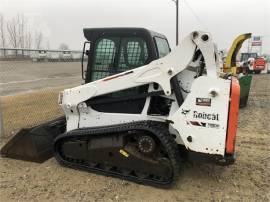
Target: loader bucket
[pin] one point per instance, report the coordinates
(34, 144)
(245, 83)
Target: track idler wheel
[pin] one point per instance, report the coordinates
(146, 144)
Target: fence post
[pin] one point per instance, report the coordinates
(1, 121)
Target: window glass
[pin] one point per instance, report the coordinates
(133, 53)
(253, 55)
(105, 50)
(162, 46)
(114, 55)
(246, 56)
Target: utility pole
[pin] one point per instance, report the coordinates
(177, 6)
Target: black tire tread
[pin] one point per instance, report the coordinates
(159, 129)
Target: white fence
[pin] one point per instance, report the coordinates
(39, 54)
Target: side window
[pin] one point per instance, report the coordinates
(105, 51)
(162, 47)
(134, 53)
(244, 56)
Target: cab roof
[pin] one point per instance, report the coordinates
(91, 34)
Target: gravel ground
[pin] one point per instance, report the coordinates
(247, 180)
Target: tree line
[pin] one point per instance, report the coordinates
(17, 33)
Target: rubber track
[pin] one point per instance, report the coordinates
(156, 128)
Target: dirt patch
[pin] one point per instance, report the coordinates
(247, 180)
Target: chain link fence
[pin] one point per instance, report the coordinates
(30, 81)
(1, 122)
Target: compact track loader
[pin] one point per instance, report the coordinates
(142, 107)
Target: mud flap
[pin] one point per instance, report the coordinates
(34, 144)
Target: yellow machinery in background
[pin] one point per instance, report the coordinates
(230, 63)
(230, 67)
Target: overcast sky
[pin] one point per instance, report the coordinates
(63, 20)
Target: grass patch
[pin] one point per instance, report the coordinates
(29, 109)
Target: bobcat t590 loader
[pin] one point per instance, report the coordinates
(141, 107)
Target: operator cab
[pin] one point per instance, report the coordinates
(115, 50)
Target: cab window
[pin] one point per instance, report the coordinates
(115, 54)
(162, 46)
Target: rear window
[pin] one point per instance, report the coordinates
(162, 46)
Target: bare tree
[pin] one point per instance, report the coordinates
(38, 39)
(48, 45)
(28, 40)
(13, 32)
(63, 46)
(20, 34)
(22, 25)
(2, 32)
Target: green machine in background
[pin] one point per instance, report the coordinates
(245, 83)
(231, 68)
